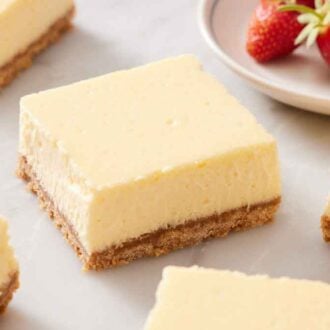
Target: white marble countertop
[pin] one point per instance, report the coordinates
(116, 34)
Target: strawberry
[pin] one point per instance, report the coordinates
(323, 41)
(272, 33)
(317, 25)
(308, 3)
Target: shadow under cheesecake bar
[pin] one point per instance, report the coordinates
(142, 162)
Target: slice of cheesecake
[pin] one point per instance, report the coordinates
(325, 222)
(141, 162)
(8, 268)
(28, 27)
(199, 299)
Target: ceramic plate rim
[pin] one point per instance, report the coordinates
(205, 17)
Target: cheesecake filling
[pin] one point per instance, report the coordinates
(8, 263)
(22, 22)
(198, 298)
(108, 216)
(169, 198)
(57, 174)
(136, 151)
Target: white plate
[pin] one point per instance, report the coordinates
(301, 80)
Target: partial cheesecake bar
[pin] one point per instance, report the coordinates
(8, 268)
(142, 162)
(28, 27)
(199, 299)
(325, 222)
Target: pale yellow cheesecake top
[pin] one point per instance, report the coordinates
(8, 263)
(135, 151)
(130, 124)
(199, 299)
(22, 22)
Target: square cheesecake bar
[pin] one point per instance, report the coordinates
(142, 162)
(8, 268)
(26, 28)
(199, 299)
(325, 222)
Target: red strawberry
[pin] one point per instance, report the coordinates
(309, 3)
(323, 41)
(272, 33)
(317, 27)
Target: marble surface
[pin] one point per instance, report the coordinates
(116, 34)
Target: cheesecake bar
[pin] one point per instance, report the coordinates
(142, 162)
(197, 299)
(325, 222)
(27, 28)
(8, 268)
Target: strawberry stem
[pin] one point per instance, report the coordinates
(300, 9)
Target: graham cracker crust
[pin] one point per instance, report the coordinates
(325, 225)
(24, 60)
(156, 243)
(8, 291)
